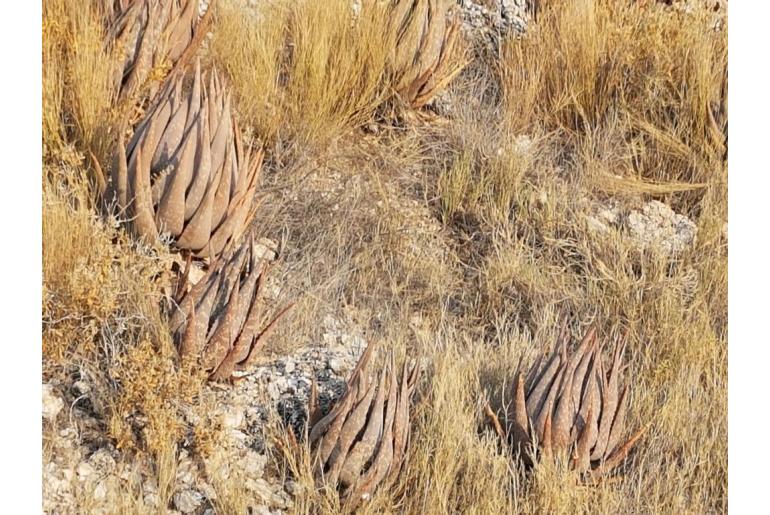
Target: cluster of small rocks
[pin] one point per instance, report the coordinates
(76, 466)
(488, 20)
(286, 382)
(653, 228)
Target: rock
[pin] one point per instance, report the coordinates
(68, 432)
(207, 490)
(85, 470)
(289, 366)
(81, 387)
(185, 470)
(261, 488)
(337, 366)
(52, 403)
(100, 492)
(102, 461)
(655, 228)
(659, 228)
(515, 13)
(152, 500)
(495, 19)
(149, 486)
(237, 438)
(293, 487)
(253, 464)
(275, 496)
(261, 510)
(203, 6)
(187, 501)
(277, 386)
(281, 500)
(522, 144)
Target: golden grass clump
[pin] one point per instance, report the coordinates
(78, 71)
(185, 172)
(303, 68)
(651, 80)
(80, 280)
(453, 468)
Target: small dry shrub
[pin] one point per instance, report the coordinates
(102, 322)
(80, 280)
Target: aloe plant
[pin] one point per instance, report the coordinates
(362, 442)
(185, 172)
(219, 320)
(427, 51)
(573, 406)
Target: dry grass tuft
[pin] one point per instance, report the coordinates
(638, 90)
(78, 71)
(102, 323)
(303, 70)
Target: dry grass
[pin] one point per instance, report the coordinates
(78, 77)
(457, 242)
(630, 86)
(303, 71)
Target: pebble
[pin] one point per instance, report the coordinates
(276, 387)
(233, 417)
(151, 500)
(81, 387)
(103, 461)
(293, 487)
(281, 500)
(261, 488)
(85, 470)
(187, 501)
(236, 436)
(52, 403)
(100, 492)
(254, 464)
(337, 366)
